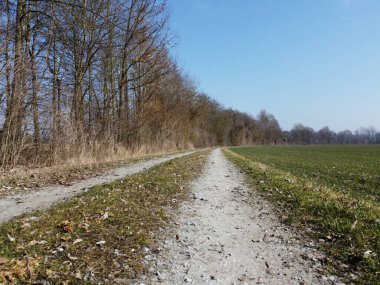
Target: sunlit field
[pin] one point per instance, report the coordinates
(353, 169)
(331, 192)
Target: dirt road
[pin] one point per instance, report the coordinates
(16, 205)
(221, 239)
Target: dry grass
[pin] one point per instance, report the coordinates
(75, 169)
(98, 237)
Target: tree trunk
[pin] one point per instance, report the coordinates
(12, 135)
(35, 111)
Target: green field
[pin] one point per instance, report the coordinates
(354, 170)
(332, 192)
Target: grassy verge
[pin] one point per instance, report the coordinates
(350, 169)
(347, 227)
(97, 237)
(23, 179)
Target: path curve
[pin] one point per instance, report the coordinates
(221, 239)
(15, 205)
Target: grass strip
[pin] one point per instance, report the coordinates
(101, 236)
(351, 169)
(348, 226)
(25, 179)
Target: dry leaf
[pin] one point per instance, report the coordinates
(78, 240)
(78, 275)
(104, 216)
(3, 260)
(65, 238)
(72, 257)
(66, 226)
(49, 272)
(10, 238)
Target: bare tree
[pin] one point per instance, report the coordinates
(90, 78)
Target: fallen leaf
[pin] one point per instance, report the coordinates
(26, 225)
(65, 238)
(78, 275)
(84, 226)
(10, 238)
(3, 260)
(78, 240)
(72, 257)
(67, 226)
(368, 254)
(101, 243)
(104, 216)
(49, 272)
(34, 242)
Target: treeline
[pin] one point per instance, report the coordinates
(301, 134)
(95, 78)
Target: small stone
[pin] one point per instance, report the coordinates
(145, 249)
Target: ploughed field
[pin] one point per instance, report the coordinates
(331, 192)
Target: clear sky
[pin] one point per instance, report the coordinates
(315, 62)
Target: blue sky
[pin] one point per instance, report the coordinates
(315, 62)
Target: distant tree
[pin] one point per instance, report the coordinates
(301, 134)
(345, 137)
(364, 135)
(286, 137)
(372, 134)
(377, 138)
(326, 136)
(270, 126)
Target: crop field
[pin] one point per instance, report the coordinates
(331, 192)
(353, 170)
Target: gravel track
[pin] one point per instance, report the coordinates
(15, 205)
(219, 238)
